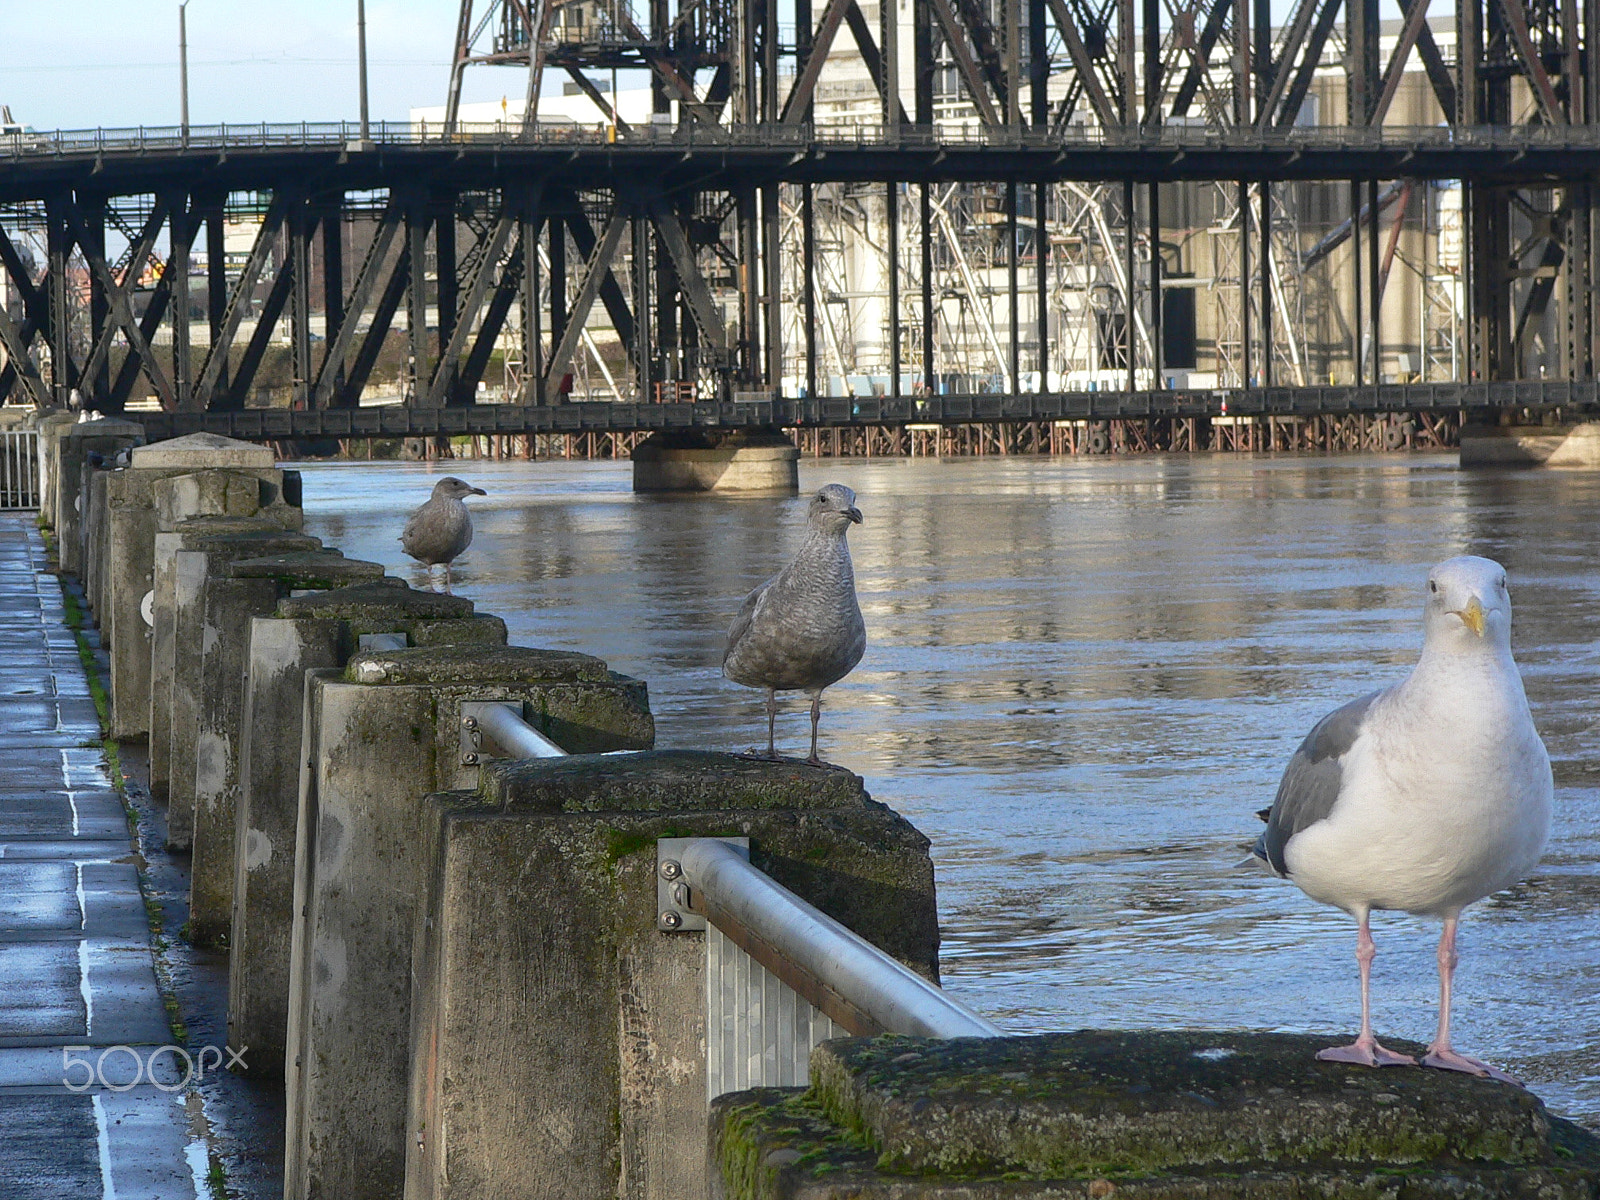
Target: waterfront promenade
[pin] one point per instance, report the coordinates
(76, 969)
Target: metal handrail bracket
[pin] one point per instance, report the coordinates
(501, 722)
(842, 974)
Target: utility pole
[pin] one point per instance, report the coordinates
(183, 68)
(361, 55)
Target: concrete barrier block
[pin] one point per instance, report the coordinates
(210, 548)
(237, 591)
(563, 1053)
(52, 427)
(78, 450)
(188, 535)
(381, 738)
(98, 522)
(197, 451)
(319, 630)
(141, 502)
(1190, 1115)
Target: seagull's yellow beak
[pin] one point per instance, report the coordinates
(1472, 616)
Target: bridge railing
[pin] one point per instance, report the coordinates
(346, 136)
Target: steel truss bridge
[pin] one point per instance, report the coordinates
(512, 242)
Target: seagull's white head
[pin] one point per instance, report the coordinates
(1468, 606)
(833, 509)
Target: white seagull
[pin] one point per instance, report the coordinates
(1423, 797)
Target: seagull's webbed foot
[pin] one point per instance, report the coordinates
(1446, 1059)
(1365, 1052)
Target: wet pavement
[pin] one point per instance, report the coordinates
(81, 1014)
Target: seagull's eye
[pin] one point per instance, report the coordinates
(1502, 583)
(1433, 585)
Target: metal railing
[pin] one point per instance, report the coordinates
(501, 722)
(345, 136)
(21, 483)
(846, 977)
(781, 975)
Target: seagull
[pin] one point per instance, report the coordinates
(802, 629)
(442, 528)
(1423, 797)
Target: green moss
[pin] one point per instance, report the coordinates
(622, 842)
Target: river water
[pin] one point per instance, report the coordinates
(1083, 678)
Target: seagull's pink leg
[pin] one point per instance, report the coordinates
(816, 712)
(1439, 1053)
(1365, 1050)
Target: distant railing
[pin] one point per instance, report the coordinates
(20, 483)
(346, 136)
(780, 975)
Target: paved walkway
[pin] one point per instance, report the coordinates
(75, 962)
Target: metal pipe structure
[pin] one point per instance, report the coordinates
(502, 723)
(852, 981)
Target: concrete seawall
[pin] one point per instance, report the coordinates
(457, 968)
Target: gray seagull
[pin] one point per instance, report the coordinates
(1423, 797)
(802, 629)
(442, 528)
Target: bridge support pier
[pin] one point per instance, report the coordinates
(1531, 445)
(758, 462)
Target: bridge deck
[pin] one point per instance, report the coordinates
(403, 421)
(263, 156)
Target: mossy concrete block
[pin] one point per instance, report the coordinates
(1071, 1103)
(98, 440)
(559, 1039)
(573, 699)
(198, 450)
(376, 750)
(310, 570)
(142, 501)
(667, 780)
(454, 667)
(203, 548)
(237, 591)
(193, 534)
(97, 525)
(52, 427)
(382, 600)
(1174, 1115)
(282, 649)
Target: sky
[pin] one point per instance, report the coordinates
(79, 64)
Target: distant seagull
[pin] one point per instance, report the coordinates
(802, 629)
(1422, 797)
(442, 528)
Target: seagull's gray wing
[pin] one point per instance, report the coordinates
(1311, 781)
(741, 623)
(409, 533)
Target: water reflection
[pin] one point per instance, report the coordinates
(1082, 680)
